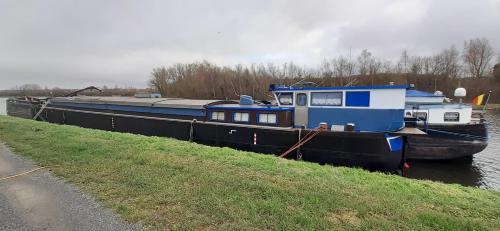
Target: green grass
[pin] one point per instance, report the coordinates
(169, 184)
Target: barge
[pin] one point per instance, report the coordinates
(453, 130)
(349, 126)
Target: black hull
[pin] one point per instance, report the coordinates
(21, 108)
(367, 150)
(445, 142)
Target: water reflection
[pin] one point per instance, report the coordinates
(483, 170)
(461, 171)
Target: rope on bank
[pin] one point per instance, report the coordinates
(21, 174)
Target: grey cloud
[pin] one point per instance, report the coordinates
(77, 43)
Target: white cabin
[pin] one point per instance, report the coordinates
(432, 109)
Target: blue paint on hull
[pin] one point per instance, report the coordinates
(395, 142)
(373, 120)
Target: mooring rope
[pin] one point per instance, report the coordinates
(20, 174)
(305, 139)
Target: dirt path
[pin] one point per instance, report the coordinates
(40, 201)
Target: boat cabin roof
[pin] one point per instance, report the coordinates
(438, 106)
(417, 93)
(149, 102)
(274, 87)
(422, 97)
(256, 107)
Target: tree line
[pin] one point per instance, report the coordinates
(445, 70)
(470, 67)
(37, 90)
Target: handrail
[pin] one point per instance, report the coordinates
(460, 134)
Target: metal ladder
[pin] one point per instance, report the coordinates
(41, 110)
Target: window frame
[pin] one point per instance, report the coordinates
(285, 93)
(241, 116)
(298, 97)
(417, 116)
(217, 117)
(267, 118)
(451, 112)
(341, 93)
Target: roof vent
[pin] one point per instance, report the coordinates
(246, 100)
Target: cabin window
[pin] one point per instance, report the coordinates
(451, 116)
(267, 118)
(421, 116)
(218, 115)
(326, 98)
(240, 117)
(301, 99)
(285, 98)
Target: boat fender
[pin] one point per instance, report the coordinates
(323, 126)
(350, 127)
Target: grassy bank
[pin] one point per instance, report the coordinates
(169, 184)
(490, 106)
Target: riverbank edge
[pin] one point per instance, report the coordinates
(488, 107)
(182, 185)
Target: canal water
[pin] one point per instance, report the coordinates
(483, 171)
(3, 106)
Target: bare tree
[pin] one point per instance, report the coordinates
(343, 69)
(477, 56)
(416, 65)
(159, 80)
(28, 87)
(496, 71)
(210, 81)
(403, 64)
(433, 65)
(387, 67)
(375, 66)
(364, 61)
(451, 62)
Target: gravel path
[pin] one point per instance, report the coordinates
(40, 201)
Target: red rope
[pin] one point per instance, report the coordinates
(306, 138)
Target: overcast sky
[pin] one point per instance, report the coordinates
(94, 42)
